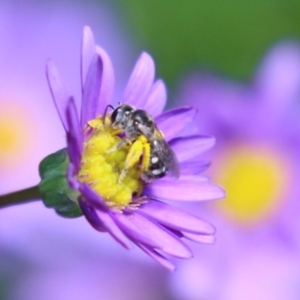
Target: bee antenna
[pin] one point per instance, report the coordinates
(105, 112)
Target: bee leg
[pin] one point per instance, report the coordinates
(94, 123)
(119, 146)
(140, 189)
(134, 154)
(146, 157)
(99, 123)
(116, 131)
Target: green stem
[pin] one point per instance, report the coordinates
(20, 197)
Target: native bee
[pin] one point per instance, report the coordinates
(147, 143)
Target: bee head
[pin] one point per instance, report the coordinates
(121, 115)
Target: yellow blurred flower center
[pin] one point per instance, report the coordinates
(101, 167)
(255, 179)
(15, 134)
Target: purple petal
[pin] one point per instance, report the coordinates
(140, 81)
(74, 135)
(93, 198)
(108, 81)
(71, 175)
(175, 218)
(133, 232)
(193, 167)
(168, 242)
(157, 99)
(113, 228)
(87, 53)
(91, 90)
(91, 216)
(187, 188)
(105, 219)
(172, 122)
(158, 257)
(191, 146)
(58, 91)
(206, 239)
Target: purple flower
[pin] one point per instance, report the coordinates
(257, 253)
(128, 210)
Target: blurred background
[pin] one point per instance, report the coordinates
(239, 64)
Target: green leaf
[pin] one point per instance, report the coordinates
(54, 187)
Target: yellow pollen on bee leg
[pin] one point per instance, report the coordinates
(146, 157)
(256, 180)
(101, 169)
(136, 151)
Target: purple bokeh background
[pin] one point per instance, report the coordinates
(256, 258)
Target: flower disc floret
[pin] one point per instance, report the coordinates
(101, 168)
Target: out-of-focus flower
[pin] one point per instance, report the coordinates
(120, 204)
(256, 255)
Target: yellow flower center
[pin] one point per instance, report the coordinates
(255, 179)
(16, 134)
(102, 164)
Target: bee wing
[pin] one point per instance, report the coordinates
(173, 166)
(166, 154)
(163, 150)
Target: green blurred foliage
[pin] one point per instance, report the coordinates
(227, 35)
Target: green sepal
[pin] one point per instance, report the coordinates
(54, 187)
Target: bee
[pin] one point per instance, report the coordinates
(146, 141)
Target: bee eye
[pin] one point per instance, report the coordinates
(115, 114)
